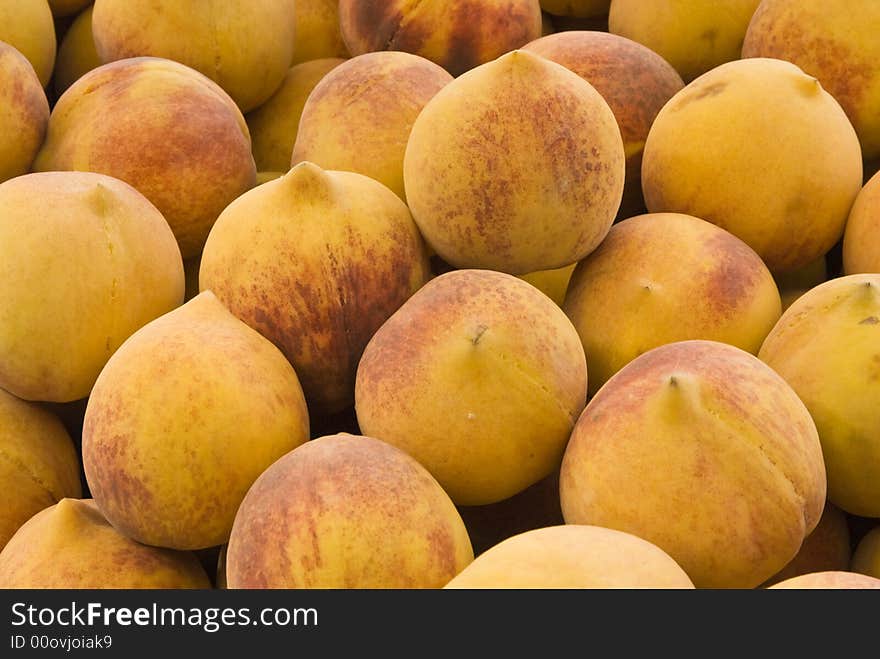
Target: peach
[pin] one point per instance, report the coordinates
(76, 53)
(666, 277)
(552, 283)
(456, 34)
(24, 113)
(834, 41)
(70, 545)
(517, 166)
(866, 557)
(635, 82)
(757, 147)
(359, 116)
(162, 127)
(39, 464)
(331, 256)
(317, 31)
(273, 126)
(827, 548)
(834, 579)
(85, 261)
(703, 450)
(825, 347)
(572, 556)
(245, 46)
(694, 36)
(346, 511)
(185, 416)
(27, 26)
(861, 237)
(480, 377)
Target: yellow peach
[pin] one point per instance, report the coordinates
(480, 377)
(346, 511)
(634, 293)
(516, 166)
(825, 347)
(185, 416)
(273, 126)
(359, 116)
(757, 147)
(703, 450)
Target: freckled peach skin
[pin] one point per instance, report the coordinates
(456, 34)
(24, 113)
(184, 417)
(665, 277)
(333, 255)
(517, 165)
(359, 116)
(39, 464)
(71, 545)
(162, 127)
(635, 82)
(346, 511)
(834, 41)
(480, 377)
(701, 449)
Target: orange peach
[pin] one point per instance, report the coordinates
(331, 256)
(517, 165)
(162, 127)
(346, 511)
(245, 46)
(185, 416)
(24, 113)
(456, 34)
(359, 116)
(71, 545)
(633, 293)
(480, 377)
(703, 450)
